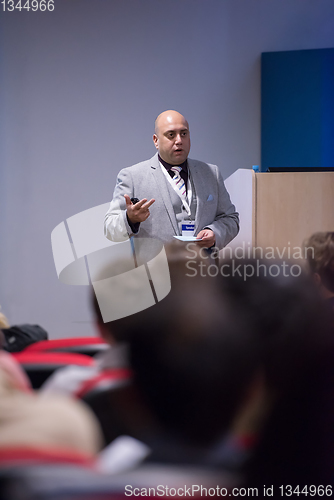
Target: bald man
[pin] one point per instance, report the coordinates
(190, 200)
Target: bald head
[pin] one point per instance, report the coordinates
(167, 117)
(171, 137)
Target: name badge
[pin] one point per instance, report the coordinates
(188, 228)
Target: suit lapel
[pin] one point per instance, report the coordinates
(199, 185)
(163, 190)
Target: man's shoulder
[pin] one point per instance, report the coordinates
(141, 166)
(202, 164)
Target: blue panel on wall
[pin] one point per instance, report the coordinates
(327, 112)
(297, 129)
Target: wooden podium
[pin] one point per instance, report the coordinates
(280, 210)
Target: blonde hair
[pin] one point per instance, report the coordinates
(3, 321)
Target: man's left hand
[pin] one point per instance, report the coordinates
(208, 238)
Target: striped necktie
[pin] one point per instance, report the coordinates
(179, 182)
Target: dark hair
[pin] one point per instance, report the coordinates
(195, 353)
(181, 360)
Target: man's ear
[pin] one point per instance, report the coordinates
(156, 140)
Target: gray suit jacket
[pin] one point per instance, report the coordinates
(146, 180)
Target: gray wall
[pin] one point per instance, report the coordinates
(80, 88)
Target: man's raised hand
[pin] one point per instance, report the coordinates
(138, 212)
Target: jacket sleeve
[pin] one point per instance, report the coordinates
(116, 225)
(226, 223)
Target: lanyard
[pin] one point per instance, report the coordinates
(186, 203)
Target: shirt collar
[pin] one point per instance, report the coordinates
(168, 166)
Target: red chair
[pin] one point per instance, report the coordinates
(52, 474)
(81, 345)
(40, 365)
(104, 381)
(22, 455)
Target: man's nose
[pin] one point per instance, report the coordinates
(178, 139)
